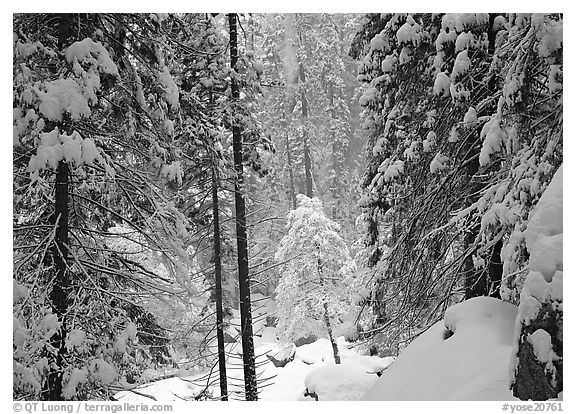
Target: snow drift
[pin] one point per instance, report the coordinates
(472, 364)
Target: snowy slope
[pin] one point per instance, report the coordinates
(472, 364)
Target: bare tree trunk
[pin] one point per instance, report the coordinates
(250, 382)
(535, 380)
(218, 287)
(308, 166)
(475, 279)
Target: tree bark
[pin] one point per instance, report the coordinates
(218, 288)
(59, 295)
(250, 382)
(326, 316)
(478, 284)
(475, 280)
(290, 168)
(495, 269)
(336, 148)
(330, 335)
(305, 137)
(533, 379)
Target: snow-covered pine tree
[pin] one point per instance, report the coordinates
(100, 101)
(201, 76)
(445, 114)
(331, 109)
(315, 275)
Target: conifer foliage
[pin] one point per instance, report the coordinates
(463, 114)
(79, 112)
(168, 168)
(316, 275)
(116, 117)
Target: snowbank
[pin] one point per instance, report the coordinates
(344, 382)
(288, 383)
(472, 364)
(169, 389)
(347, 381)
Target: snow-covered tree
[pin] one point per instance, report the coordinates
(98, 115)
(315, 275)
(321, 42)
(307, 104)
(455, 163)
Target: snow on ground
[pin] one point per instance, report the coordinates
(344, 382)
(321, 351)
(313, 366)
(472, 364)
(169, 389)
(288, 383)
(347, 381)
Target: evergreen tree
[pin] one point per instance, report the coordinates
(96, 111)
(316, 275)
(454, 164)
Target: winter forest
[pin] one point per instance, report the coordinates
(297, 206)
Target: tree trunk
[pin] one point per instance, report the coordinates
(326, 316)
(59, 295)
(250, 382)
(475, 280)
(478, 284)
(308, 166)
(491, 33)
(305, 137)
(218, 288)
(533, 379)
(336, 167)
(329, 329)
(495, 269)
(290, 168)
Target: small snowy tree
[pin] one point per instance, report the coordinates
(315, 272)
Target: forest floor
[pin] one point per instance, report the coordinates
(278, 383)
(466, 356)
